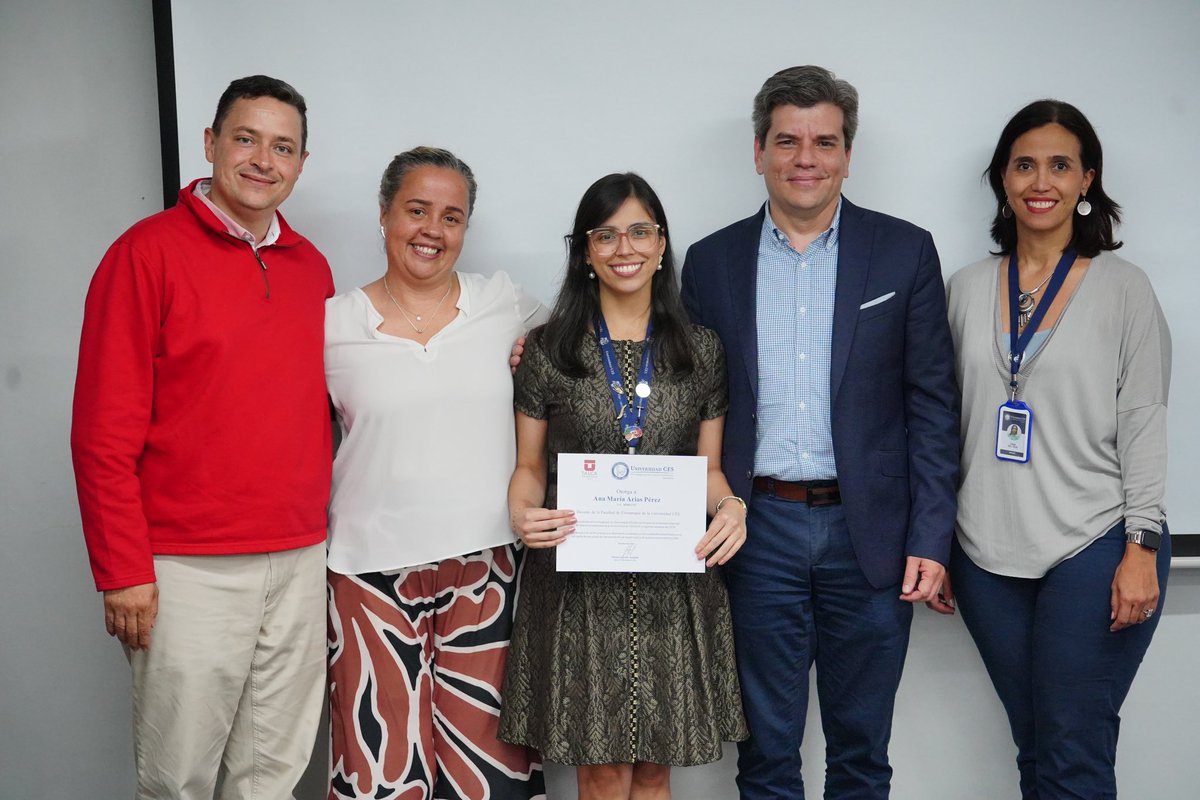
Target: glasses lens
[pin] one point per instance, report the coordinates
(604, 239)
(642, 236)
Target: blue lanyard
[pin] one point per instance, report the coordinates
(1017, 344)
(631, 411)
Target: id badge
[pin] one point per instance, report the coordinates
(1014, 428)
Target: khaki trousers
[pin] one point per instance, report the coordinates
(229, 694)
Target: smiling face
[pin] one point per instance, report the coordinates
(1044, 180)
(425, 224)
(628, 271)
(803, 162)
(256, 160)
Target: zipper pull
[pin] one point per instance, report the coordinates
(266, 281)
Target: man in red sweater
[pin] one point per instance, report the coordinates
(201, 444)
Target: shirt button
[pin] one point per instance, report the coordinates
(803, 356)
(803, 309)
(803, 406)
(805, 456)
(803, 265)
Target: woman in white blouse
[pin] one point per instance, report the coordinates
(422, 563)
(1064, 360)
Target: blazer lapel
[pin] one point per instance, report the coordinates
(854, 262)
(743, 281)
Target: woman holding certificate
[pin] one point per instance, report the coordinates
(1063, 356)
(422, 565)
(621, 674)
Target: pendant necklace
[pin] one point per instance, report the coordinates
(436, 308)
(1026, 302)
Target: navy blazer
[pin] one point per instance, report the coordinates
(894, 396)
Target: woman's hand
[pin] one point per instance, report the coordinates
(725, 535)
(542, 527)
(943, 601)
(1134, 588)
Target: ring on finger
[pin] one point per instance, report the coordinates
(1147, 612)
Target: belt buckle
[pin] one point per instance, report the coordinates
(823, 496)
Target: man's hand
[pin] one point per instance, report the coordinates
(129, 614)
(518, 350)
(923, 578)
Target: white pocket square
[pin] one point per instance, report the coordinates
(883, 298)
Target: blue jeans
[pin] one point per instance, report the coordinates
(798, 597)
(1061, 674)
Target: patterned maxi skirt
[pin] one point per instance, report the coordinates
(416, 659)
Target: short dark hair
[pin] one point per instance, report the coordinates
(1090, 234)
(409, 160)
(578, 301)
(253, 86)
(805, 87)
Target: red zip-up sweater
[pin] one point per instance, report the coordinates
(200, 423)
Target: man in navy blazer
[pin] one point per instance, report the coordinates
(842, 433)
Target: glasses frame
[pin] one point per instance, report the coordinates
(658, 231)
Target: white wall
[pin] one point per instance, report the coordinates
(542, 98)
(79, 163)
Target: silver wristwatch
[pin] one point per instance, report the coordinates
(1147, 539)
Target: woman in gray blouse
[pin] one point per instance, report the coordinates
(1064, 360)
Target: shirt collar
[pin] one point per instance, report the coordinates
(231, 226)
(828, 238)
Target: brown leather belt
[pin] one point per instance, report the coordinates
(815, 493)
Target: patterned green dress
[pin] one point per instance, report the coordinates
(621, 667)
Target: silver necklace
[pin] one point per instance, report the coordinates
(407, 318)
(1026, 302)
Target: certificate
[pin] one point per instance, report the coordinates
(633, 513)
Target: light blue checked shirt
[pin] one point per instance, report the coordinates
(794, 301)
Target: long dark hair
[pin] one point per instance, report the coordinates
(578, 300)
(1090, 234)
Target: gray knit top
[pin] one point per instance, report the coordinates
(1097, 387)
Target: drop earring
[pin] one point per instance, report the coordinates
(382, 235)
(1083, 207)
(1006, 211)
(659, 267)
(591, 274)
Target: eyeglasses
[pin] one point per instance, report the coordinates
(642, 237)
